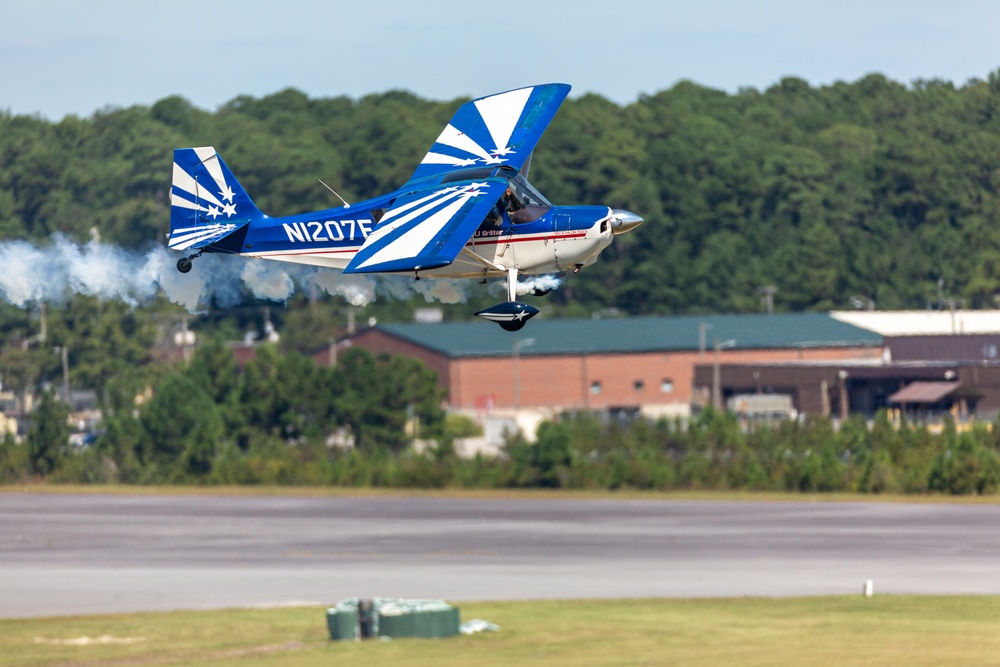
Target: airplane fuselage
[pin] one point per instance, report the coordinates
(563, 238)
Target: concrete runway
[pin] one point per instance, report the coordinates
(82, 554)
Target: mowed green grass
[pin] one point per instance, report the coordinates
(836, 631)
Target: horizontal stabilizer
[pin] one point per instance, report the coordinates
(200, 236)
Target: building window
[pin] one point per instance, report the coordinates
(667, 385)
(638, 385)
(595, 387)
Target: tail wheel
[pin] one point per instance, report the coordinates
(184, 264)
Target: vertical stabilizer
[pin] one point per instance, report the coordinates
(206, 201)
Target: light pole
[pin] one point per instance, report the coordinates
(63, 352)
(716, 388)
(842, 376)
(768, 299)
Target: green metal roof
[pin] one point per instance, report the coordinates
(635, 334)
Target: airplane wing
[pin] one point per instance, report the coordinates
(500, 129)
(427, 229)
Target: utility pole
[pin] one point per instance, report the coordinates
(41, 335)
(63, 352)
(768, 292)
(65, 368)
(717, 372)
(842, 376)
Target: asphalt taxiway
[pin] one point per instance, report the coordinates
(80, 554)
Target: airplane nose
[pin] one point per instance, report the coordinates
(623, 221)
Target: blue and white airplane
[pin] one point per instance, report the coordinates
(468, 211)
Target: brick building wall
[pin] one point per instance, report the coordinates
(656, 381)
(606, 380)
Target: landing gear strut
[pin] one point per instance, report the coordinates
(513, 314)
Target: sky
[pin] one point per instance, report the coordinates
(60, 57)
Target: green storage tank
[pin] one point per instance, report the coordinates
(342, 623)
(420, 623)
(393, 617)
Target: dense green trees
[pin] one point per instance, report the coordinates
(48, 435)
(869, 189)
(713, 451)
(853, 189)
(209, 421)
(178, 437)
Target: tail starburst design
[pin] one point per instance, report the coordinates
(206, 201)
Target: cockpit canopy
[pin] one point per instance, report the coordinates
(522, 201)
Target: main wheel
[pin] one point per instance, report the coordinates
(184, 264)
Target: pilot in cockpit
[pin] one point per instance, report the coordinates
(513, 203)
(508, 202)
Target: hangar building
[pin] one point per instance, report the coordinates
(934, 362)
(638, 365)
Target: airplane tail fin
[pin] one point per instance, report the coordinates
(207, 204)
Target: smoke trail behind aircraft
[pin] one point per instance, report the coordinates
(542, 283)
(56, 271)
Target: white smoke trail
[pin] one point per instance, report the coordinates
(55, 271)
(356, 290)
(443, 290)
(541, 283)
(268, 281)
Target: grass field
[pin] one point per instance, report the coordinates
(884, 630)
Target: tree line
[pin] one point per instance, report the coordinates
(864, 192)
(192, 423)
(871, 191)
(180, 437)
